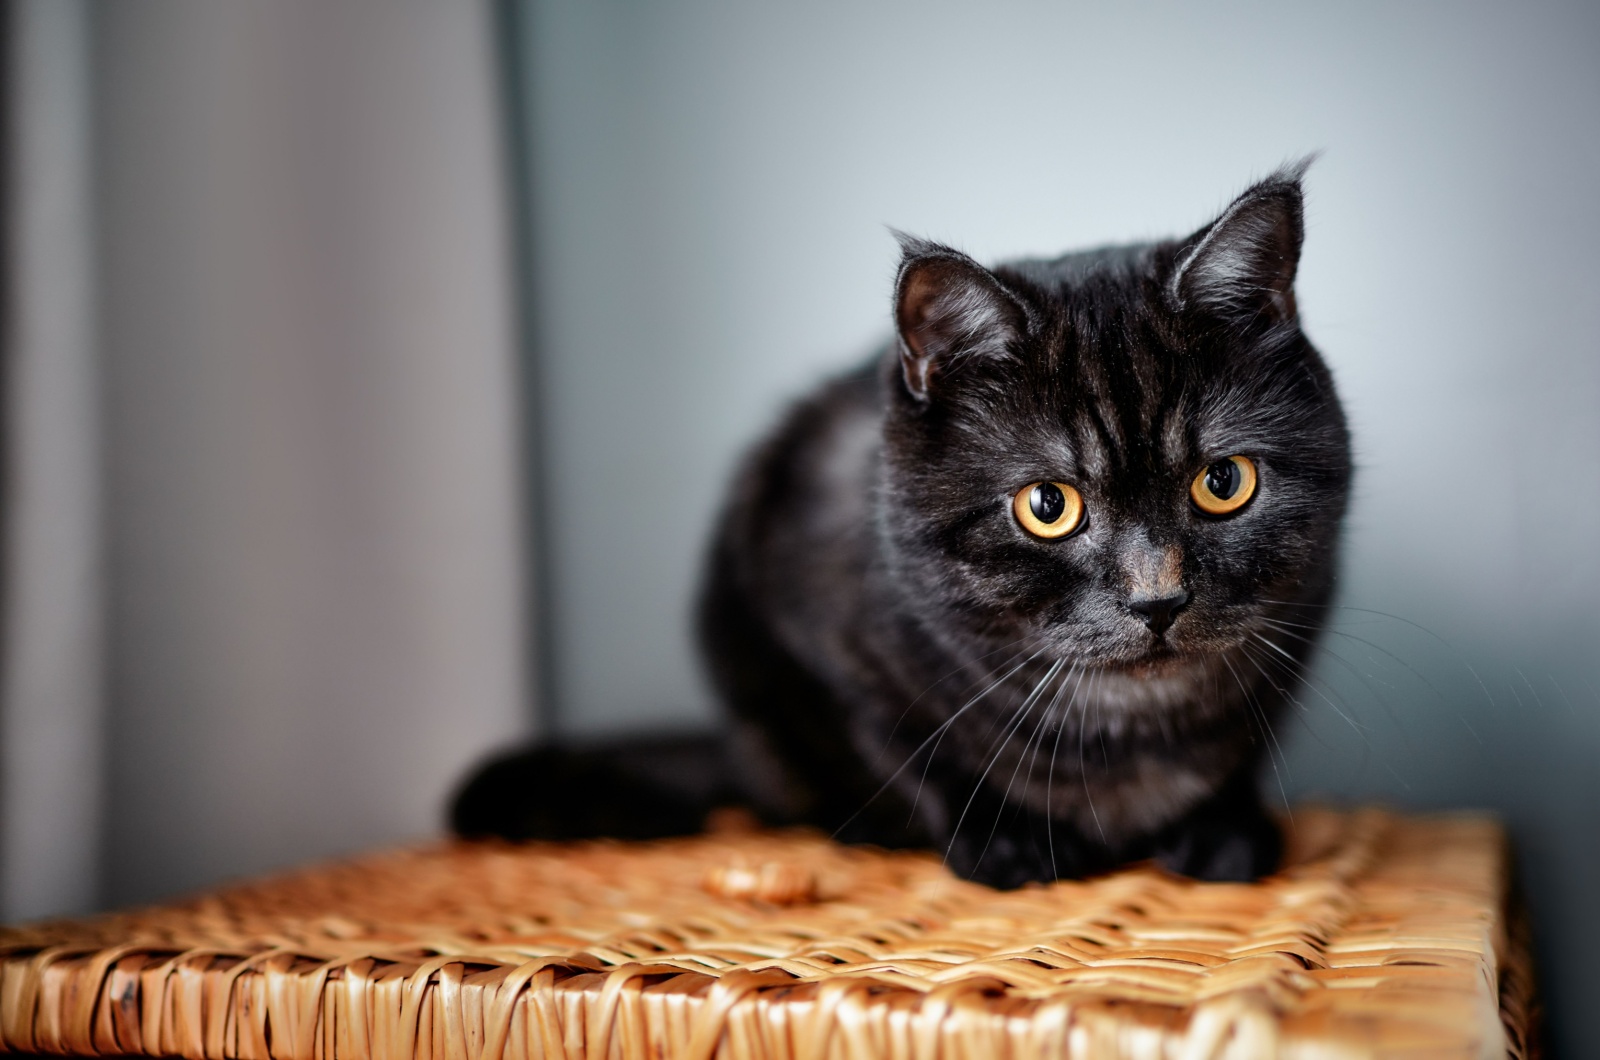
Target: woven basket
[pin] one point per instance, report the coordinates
(1384, 936)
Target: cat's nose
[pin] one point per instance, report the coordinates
(1158, 611)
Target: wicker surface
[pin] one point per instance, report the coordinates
(1384, 936)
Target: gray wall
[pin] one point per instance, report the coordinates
(312, 485)
(51, 751)
(712, 183)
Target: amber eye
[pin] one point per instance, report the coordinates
(1048, 509)
(1224, 487)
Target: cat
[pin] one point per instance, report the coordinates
(1030, 587)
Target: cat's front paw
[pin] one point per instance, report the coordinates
(1001, 862)
(1238, 849)
(1028, 854)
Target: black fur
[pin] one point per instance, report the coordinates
(905, 665)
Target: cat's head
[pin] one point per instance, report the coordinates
(1123, 456)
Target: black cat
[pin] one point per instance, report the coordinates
(1030, 588)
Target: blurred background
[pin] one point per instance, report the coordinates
(332, 332)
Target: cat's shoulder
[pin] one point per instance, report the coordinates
(822, 443)
(801, 502)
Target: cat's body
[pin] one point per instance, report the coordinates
(911, 657)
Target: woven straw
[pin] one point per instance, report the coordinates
(1384, 936)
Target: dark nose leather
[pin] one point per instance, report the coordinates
(1158, 612)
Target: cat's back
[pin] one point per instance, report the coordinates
(797, 534)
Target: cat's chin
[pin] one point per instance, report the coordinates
(1164, 659)
(1171, 684)
(1162, 678)
(1155, 664)
(1154, 660)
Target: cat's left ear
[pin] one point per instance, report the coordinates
(947, 308)
(1241, 266)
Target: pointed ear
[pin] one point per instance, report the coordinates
(1241, 266)
(947, 306)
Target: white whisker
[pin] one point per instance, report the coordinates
(1019, 716)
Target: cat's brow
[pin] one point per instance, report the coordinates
(1101, 418)
(1175, 436)
(1090, 446)
(1145, 369)
(1235, 418)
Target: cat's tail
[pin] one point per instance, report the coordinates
(637, 788)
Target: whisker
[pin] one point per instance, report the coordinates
(1383, 701)
(1533, 691)
(1451, 648)
(1443, 702)
(1368, 754)
(1570, 708)
(1019, 715)
(1034, 741)
(1288, 630)
(938, 735)
(1260, 717)
(889, 740)
(1304, 676)
(1250, 654)
(1055, 751)
(1303, 713)
(1044, 715)
(933, 738)
(1082, 769)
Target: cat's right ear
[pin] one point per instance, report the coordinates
(947, 307)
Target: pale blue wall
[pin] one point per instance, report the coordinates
(712, 183)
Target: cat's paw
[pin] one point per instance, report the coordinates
(1001, 862)
(1214, 847)
(1013, 857)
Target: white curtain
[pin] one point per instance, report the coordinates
(261, 429)
(51, 750)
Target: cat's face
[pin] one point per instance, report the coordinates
(1126, 458)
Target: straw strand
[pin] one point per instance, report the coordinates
(1382, 936)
